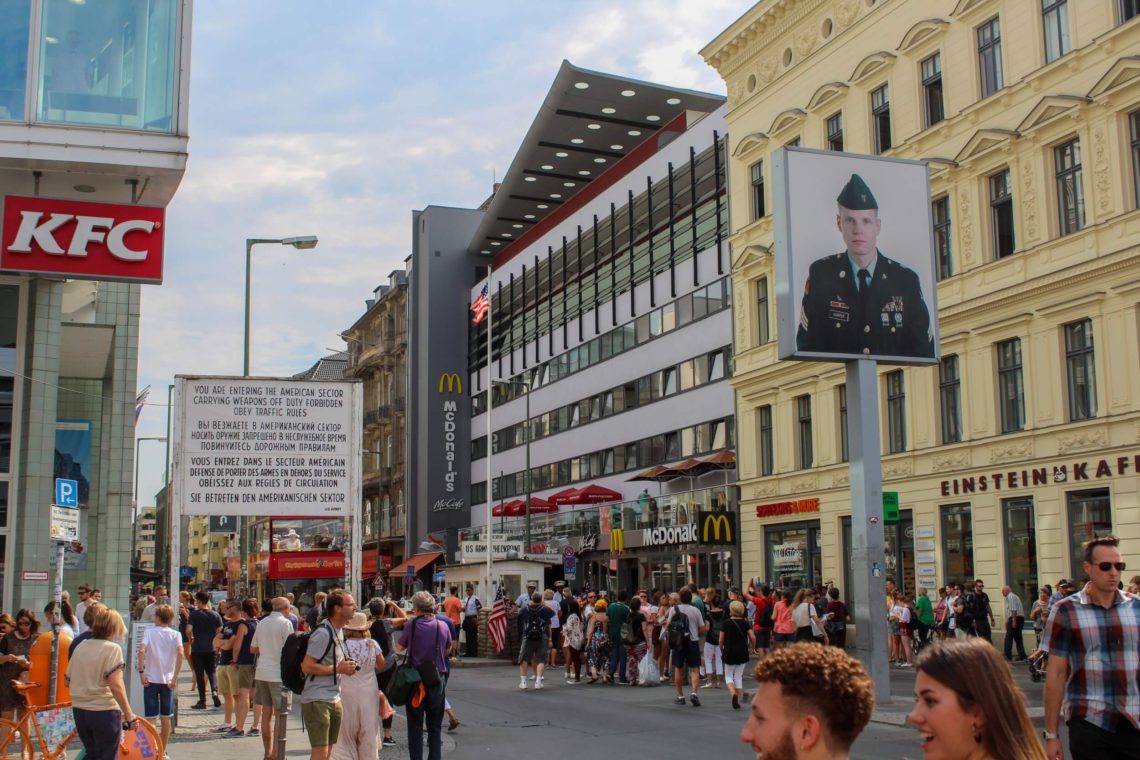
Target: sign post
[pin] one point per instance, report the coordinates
(64, 528)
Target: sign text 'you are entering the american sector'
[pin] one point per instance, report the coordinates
(258, 446)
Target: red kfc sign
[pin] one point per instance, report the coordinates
(82, 240)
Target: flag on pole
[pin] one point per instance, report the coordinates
(497, 622)
(140, 402)
(481, 305)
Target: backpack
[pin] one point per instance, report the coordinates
(293, 654)
(678, 630)
(765, 619)
(535, 629)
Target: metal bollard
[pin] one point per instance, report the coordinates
(282, 722)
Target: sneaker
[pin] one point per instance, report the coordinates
(695, 700)
(522, 684)
(530, 677)
(679, 701)
(222, 729)
(254, 732)
(198, 706)
(735, 702)
(904, 664)
(538, 684)
(389, 741)
(217, 702)
(234, 733)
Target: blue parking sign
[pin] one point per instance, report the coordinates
(66, 493)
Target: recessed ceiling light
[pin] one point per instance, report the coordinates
(577, 140)
(599, 160)
(628, 93)
(582, 85)
(674, 101)
(562, 154)
(615, 147)
(517, 226)
(609, 110)
(495, 242)
(528, 216)
(531, 179)
(634, 133)
(556, 195)
(484, 251)
(547, 167)
(543, 205)
(584, 173)
(593, 126)
(85, 188)
(567, 184)
(653, 117)
(507, 234)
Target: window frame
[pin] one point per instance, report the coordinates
(880, 116)
(806, 453)
(1134, 144)
(766, 440)
(833, 126)
(1127, 10)
(1010, 369)
(895, 383)
(756, 172)
(950, 393)
(943, 247)
(763, 316)
(1001, 205)
(1069, 176)
(1077, 358)
(841, 400)
(929, 82)
(991, 79)
(1059, 10)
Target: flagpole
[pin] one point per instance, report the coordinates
(490, 386)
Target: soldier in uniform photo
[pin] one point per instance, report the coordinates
(859, 301)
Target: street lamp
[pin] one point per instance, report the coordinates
(301, 243)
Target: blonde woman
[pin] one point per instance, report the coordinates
(736, 640)
(98, 696)
(359, 737)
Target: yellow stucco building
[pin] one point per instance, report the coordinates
(1025, 440)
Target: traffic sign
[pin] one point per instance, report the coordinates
(411, 571)
(34, 575)
(890, 507)
(64, 523)
(67, 493)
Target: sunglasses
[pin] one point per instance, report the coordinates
(23, 622)
(1107, 566)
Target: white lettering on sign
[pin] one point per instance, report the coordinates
(88, 229)
(449, 410)
(447, 505)
(674, 534)
(787, 555)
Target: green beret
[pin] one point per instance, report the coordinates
(856, 195)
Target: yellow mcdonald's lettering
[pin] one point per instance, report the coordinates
(617, 541)
(452, 381)
(713, 524)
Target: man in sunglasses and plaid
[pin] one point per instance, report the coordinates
(1093, 639)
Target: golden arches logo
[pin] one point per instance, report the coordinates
(452, 381)
(617, 541)
(713, 523)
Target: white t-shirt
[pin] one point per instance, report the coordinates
(801, 615)
(554, 623)
(951, 601)
(80, 610)
(696, 619)
(162, 646)
(269, 637)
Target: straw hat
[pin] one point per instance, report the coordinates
(359, 622)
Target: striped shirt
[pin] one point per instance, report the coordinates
(1103, 650)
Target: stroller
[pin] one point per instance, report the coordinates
(1037, 664)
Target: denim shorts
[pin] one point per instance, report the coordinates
(158, 700)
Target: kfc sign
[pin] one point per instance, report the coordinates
(82, 240)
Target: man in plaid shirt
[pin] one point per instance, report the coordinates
(1093, 641)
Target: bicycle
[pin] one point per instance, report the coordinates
(45, 732)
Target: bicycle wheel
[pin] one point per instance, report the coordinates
(15, 744)
(141, 743)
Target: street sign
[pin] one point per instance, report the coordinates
(64, 524)
(411, 571)
(34, 576)
(890, 507)
(67, 493)
(224, 523)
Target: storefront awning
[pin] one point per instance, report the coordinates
(417, 561)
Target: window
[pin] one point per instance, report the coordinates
(758, 209)
(1070, 197)
(1020, 548)
(1134, 135)
(933, 110)
(950, 397)
(1055, 16)
(896, 412)
(803, 410)
(1001, 214)
(881, 119)
(767, 460)
(989, 57)
(957, 543)
(1079, 368)
(841, 392)
(14, 59)
(1129, 9)
(1011, 391)
(940, 213)
(793, 143)
(763, 333)
(835, 132)
(1090, 515)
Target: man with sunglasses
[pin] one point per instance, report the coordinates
(1093, 639)
(83, 591)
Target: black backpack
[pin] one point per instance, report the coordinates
(678, 630)
(765, 619)
(535, 629)
(293, 654)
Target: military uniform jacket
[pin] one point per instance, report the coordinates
(893, 322)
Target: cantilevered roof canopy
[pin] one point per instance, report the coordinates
(588, 122)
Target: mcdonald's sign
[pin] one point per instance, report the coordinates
(617, 541)
(716, 528)
(452, 381)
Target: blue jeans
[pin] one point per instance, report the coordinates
(618, 662)
(430, 709)
(158, 701)
(100, 732)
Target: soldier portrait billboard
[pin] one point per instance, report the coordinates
(854, 258)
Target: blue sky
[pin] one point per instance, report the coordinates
(337, 119)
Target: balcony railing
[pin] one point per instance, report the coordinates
(377, 415)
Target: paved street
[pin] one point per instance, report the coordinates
(498, 717)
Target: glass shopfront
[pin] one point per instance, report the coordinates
(957, 543)
(1020, 548)
(898, 548)
(793, 557)
(1090, 515)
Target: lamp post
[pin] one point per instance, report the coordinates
(301, 243)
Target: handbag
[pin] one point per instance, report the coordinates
(404, 683)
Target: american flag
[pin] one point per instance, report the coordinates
(497, 622)
(481, 305)
(140, 402)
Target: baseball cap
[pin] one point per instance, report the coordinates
(1064, 582)
(532, 584)
(559, 584)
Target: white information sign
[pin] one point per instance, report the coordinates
(258, 446)
(64, 524)
(470, 550)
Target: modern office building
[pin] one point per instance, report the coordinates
(1024, 441)
(93, 138)
(146, 527)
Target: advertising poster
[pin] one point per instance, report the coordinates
(73, 455)
(855, 258)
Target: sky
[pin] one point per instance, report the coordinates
(338, 119)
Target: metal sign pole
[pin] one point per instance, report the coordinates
(282, 721)
(867, 544)
(57, 595)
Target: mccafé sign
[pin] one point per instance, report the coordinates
(82, 239)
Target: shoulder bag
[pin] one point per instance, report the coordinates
(407, 677)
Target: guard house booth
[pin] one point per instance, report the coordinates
(297, 555)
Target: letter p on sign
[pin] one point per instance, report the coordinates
(66, 493)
